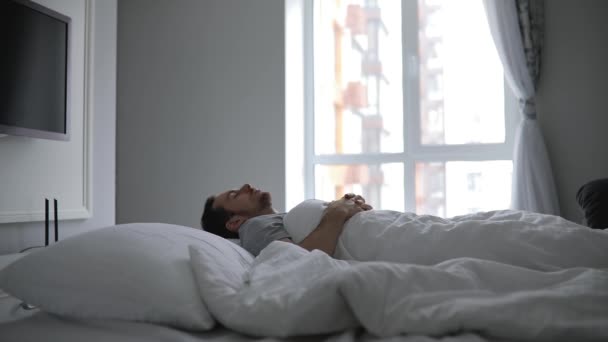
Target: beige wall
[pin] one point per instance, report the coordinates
(573, 96)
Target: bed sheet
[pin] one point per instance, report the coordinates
(21, 325)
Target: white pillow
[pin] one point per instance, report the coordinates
(304, 218)
(135, 272)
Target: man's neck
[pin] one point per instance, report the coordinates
(267, 211)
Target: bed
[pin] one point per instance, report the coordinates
(152, 281)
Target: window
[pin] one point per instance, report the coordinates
(407, 106)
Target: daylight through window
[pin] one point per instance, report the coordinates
(410, 106)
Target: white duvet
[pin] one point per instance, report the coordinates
(509, 275)
(526, 239)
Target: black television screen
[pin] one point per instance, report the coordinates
(33, 70)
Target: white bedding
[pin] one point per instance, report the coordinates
(289, 291)
(17, 324)
(543, 242)
(501, 275)
(507, 274)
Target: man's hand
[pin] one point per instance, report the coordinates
(325, 236)
(359, 200)
(347, 206)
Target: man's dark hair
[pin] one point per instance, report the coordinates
(214, 220)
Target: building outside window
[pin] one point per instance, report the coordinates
(409, 106)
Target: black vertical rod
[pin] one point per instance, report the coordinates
(46, 221)
(56, 222)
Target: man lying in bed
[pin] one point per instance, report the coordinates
(247, 214)
(519, 238)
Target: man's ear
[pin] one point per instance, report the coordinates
(235, 222)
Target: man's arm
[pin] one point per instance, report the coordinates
(325, 236)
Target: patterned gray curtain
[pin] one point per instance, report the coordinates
(531, 15)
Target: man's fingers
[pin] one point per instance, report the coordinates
(350, 195)
(358, 201)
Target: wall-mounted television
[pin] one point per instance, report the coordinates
(34, 71)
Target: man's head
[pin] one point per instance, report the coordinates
(225, 212)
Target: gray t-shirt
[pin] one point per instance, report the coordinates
(258, 232)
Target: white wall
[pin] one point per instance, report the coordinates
(573, 96)
(16, 236)
(201, 104)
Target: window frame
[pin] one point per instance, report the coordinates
(413, 150)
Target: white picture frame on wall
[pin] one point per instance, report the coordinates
(33, 169)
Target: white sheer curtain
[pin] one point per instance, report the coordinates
(533, 185)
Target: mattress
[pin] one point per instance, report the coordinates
(17, 324)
